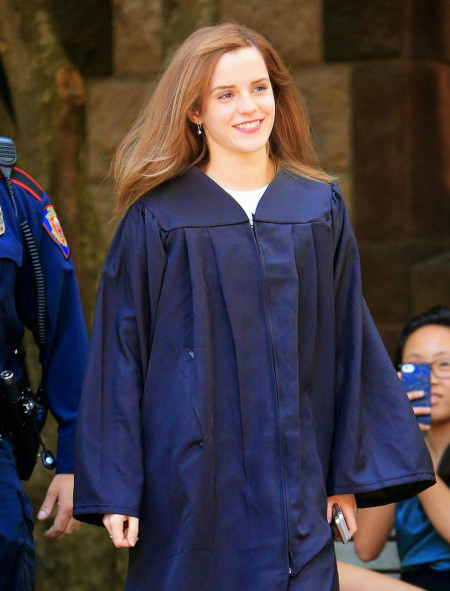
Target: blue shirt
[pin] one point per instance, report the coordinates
(418, 542)
(63, 356)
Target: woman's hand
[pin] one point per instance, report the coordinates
(123, 529)
(348, 506)
(418, 410)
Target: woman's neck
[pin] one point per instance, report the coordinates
(241, 173)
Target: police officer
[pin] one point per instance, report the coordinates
(62, 357)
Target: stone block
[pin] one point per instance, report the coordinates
(112, 106)
(429, 165)
(327, 93)
(182, 18)
(8, 129)
(137, 34)
(380, 150)
(294, 27)
(103, 201)
(355, 30)
(385, 268)
(389, 335)
(430, 26)
(386, 273)
(401, 150)
(430, 282)
(85, 31)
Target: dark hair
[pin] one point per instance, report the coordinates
(435, 315)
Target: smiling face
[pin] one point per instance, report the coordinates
(425, 345)
(239, 109)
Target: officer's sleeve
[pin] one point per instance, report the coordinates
(378, 451)
(109, 448)
(64, 355)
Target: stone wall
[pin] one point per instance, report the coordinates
(400, 84)
(375, 77)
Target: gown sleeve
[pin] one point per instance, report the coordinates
(378, 450)
(109, 451)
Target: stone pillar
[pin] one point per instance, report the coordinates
(294, 27)
(400, 85)
(137, 31)
(430, 282)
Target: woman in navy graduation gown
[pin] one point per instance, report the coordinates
(236, 386)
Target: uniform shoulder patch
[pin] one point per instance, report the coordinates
(53, 227)
(22, 179)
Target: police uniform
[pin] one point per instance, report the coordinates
(62, 357)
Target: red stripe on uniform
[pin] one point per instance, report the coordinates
(27, 188)
(30, 177)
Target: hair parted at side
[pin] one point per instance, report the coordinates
(163, 142)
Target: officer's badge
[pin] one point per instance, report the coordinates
(53, 227)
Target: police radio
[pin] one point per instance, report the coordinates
(25, 416)
(8, 158)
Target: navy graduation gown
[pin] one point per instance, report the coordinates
(235, 380)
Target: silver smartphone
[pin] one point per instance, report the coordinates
(340, 525)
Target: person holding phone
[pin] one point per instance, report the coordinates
(237, 387)
(422, 523)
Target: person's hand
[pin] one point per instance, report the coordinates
(59, 493)
(348, 506)
(419, 411)
(123, 529)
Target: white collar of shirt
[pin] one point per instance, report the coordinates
(248, 200)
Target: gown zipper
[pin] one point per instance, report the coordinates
(292, 570)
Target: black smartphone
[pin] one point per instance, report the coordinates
(339, 524)
(416, 376)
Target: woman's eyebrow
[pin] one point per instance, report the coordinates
(231, 86)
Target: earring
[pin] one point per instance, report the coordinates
(199, 129)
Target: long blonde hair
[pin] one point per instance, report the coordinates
(163, 142)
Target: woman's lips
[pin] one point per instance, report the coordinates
(249, 126)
